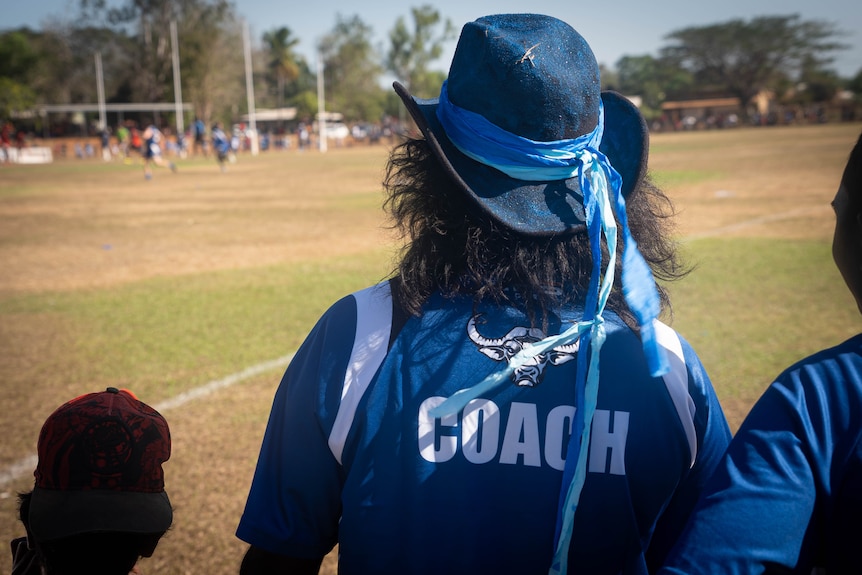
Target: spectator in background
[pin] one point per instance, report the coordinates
(105, 143)
(6, 140)
(99, 501)
(236, 139)
(136, 142)
(123, 140)
(180, 145)
(199, 133)
(787, 497)
(304, 136)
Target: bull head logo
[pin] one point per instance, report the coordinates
(503, 349)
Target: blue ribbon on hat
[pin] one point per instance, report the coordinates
(515, 156)
(601, 185)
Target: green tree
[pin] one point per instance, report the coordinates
(306, 104)
(210, 44)
(282, 64)
(76, 69)
(209, 38)
(608, 77)
(411, 53)
(654, 80)
(744, 57)
(18, 60)
(14, 97)
(816, 84)
(57, 65)
(152, 63)
(17, 55)
(854, 84)
(352, 70)
(212, 67)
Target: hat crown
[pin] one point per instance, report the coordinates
(103, 441)
(529, 74)
(535, 77)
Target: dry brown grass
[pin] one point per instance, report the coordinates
(71, 228)
(76, 229)
(773, 182)
(83, 230)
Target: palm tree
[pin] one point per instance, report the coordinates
(282, 60)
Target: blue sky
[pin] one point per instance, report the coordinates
(629, 27)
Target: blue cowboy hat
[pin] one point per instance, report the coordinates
(534, 79)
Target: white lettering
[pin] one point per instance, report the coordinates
(480, 430)
(557, 431)
(604, 440)
(428, 433)
(522, 435)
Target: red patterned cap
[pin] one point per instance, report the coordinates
(100, 468)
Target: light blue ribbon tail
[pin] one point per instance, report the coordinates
(601, 185)
(559, 565)
(656, 355)
(641, 294)
(456, 402)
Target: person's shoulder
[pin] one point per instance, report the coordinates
(848, 352)
(854, 343)
(834, 374)
(375, 295)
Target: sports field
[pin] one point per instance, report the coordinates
(192, 289)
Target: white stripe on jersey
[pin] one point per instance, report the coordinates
(370, 345)
(676, 381)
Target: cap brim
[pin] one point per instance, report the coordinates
(536, 208)
(57, 514)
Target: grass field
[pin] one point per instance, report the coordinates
(167, 285)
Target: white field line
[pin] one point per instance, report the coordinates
(18, 469)
(25, 466)
(755, 222)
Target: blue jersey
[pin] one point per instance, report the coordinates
(352, 457)
(221, 144)
(152, 142)
(788, 496)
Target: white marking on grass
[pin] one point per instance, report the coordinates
(207, 389)
(18, 469)
(25, 466)
(22, 467)
(754, 222)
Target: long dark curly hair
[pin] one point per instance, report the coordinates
(452, 248)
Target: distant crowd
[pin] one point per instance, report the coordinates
(124, 141)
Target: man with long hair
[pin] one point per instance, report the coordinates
(508, 402)
(787, 497)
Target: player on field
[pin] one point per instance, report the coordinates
(152, 151)
(199, 143)
(508, 402)
(787, 498)
(221, 145)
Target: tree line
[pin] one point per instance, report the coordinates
(785, 54)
